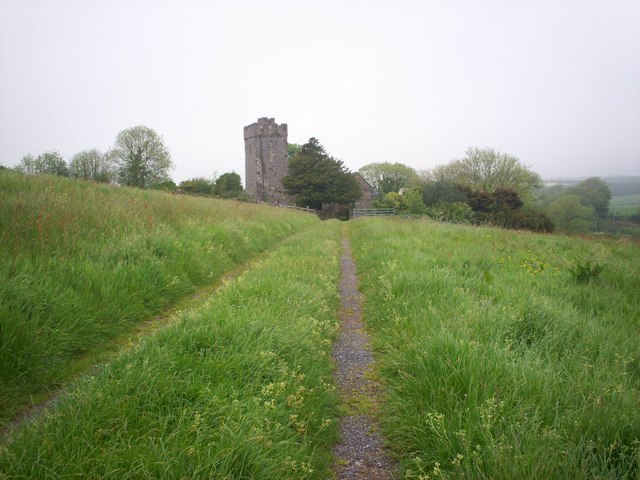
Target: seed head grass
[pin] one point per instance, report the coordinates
(238, 388)
(496, 362)
(81, 263)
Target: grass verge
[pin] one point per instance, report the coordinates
(240, 388)
(497, 361)
(81, 263)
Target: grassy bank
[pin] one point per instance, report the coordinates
(504, 354)
(81, 263)
(238, 388)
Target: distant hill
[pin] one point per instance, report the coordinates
(620, 186)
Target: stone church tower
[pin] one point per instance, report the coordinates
(266, 160)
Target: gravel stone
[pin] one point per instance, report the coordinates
(360, 453)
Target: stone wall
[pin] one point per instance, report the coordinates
(369, 192)
(266, 160)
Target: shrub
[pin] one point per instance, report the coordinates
(457, 212)
(534, 221)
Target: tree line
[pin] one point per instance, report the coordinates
(483, 187)
(489, 187)
(138, 158)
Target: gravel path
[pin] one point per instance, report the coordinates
(360, 454)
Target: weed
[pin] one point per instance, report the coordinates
(585, 273)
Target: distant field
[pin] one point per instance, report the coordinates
(498, 363)
(81, 263)
(625, 205)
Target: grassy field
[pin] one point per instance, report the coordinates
(239, 388)
(626, 205)
(505, 354)
(81, 263)
(502, 354)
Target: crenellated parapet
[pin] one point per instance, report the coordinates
(265, 127)
(266, 160)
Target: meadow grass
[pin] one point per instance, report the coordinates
(498, 362)
(625, 205)
(239, 388)
(81, 263)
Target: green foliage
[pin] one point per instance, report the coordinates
(197, 186)
(531, 219)
(237, 388)
(506, 204)
(81, 263)
(482, 203)
(315, 178)
(410, 201)
(92, 165)
(585, 272)
(501, 207)
(546, 195)
(389, 177)
(165, 186)
(456, 212)
(293, 149)
(493, 364)
(389, 200)
(50, 163)
(141, 157)
(570, 215)
(580, 208)
(507, 200)
(594, 192)
(436, 192)
(228, 185)
(488, 170)
(27, 165)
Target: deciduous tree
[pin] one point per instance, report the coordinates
(570, 215)
(92, 165)
(197, 186)
(141, 157)
(292, 149)
(389, 177)
(228, 185)
(435, 192)
(46, 163)
(488, 170)
(595, 193)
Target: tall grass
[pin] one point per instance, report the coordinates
(239, 388)
(497, 362)
(80, 263)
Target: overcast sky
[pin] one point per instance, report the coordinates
(555, 83)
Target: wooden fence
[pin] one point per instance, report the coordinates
(373, 212)
(293, 207)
